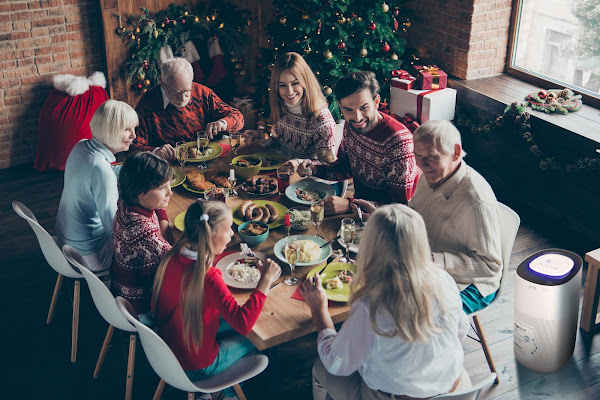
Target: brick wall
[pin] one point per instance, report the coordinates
(468, 38)
(39, 39)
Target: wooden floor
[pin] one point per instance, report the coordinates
(35, 357)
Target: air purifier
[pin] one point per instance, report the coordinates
(547, 292)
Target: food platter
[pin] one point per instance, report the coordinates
(354, 246)
(325, 251)
(178, 177)
(281, 210)
(323, 189)
(245, 186)
(342, 294)
(224, 263)
(217, 150)
(187, 186)
(275, 158)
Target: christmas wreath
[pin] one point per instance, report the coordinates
(560, 101)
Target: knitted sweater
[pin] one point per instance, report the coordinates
(381, 162)
(160, 125)
(298, 137)
(139, 247)
(218, 302)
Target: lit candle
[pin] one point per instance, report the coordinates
(231, 174)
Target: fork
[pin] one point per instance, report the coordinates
(360, 217)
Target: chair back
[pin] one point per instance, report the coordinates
(47, 243)
(470, 394)
(509, 226)
(103, 298)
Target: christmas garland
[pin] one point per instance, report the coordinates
(517, 115)
(555, 100)
(147, 33)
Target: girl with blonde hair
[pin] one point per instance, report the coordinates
(403, 336)
(195, 312)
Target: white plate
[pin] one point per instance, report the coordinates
(325, 251)
(354, 246)
(228, 260)
(323, 188)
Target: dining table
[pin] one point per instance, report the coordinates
(283, 317)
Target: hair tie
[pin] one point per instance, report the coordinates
(204, 217)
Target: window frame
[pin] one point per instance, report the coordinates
(533, 77)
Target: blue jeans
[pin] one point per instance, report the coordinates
(232, 347)
(473, 300)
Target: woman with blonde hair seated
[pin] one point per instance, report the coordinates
(403, 337)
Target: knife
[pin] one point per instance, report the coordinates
(331, 241)
(273, 286)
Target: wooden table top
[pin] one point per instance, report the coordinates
(282, 318)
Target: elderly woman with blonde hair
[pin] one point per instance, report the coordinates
(403, 337)
(89, 199)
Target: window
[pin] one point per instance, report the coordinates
(554, 43)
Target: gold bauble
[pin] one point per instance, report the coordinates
(385, 7)
(342, 20)
(305, 16)
(359, 19)
(174, 23)
(147, 82)
(363, 52)
(137, 30)
(282, 20)
(132, 36)
(162, 25)
(186, 13)
(394, 56)
(144, 91)
(327, 90)
(196, 19)
(155, 34)
(141, 76)
(327, 54)
(242, 73)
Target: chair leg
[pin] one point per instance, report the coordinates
(239, 392)
(107, 340)
(191, 396)
(485, 348)
(159, 390)
(130, 365)
(54, 298)
(75, 325)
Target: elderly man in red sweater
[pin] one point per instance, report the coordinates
(178, 108)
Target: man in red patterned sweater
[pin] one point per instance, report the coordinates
(376, 151)
(178, 108)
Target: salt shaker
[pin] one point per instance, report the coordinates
(287, 224)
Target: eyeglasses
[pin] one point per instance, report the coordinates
(182, 93)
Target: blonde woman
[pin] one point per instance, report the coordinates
(403, 337)
(189, 297)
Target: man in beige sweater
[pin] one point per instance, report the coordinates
(460, 212)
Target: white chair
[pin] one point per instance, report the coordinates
(509, 225)
(470, 394)
(167, 367)
(105, 303)
(58, 262)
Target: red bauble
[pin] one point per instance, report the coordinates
(296, 41)
(341, 45)
(395, 24)
(542, 94)
(146, 67)
(138, 86)
(183, 20)
(372, 26)
(167, 21)
(386, 47)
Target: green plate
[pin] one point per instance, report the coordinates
(216, 153)
(343, 294)
(281, 209)
(178, 177)
(179, 221)
(278, 157)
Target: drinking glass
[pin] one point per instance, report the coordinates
(234, 142)
(347, 234)
(283, 179)
(181, 151)
(317, 214)
(202, 142)
(291, 252)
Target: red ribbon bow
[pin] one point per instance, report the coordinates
(400, 73)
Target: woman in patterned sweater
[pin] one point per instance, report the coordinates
(141, 227)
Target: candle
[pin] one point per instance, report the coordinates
(231, 174)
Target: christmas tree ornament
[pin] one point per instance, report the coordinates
(174, 23)
(186, 13)
(183, 20)
(397, 11)
(132, 36)
(341, 45)
(147, 82)
(359, 19)
(196, 19)
(146, 68)
(372, 26)
(386, 47)
(137, 30)
(155, 34)
(385, 7)
(167, 21)
(144, 91)
(282, 20)
(305, 16)
(542, 94)
(141, 76)
(341, 19)
(363, 52)
(551, 95)
(242, 73)
(138, 86)
(394, 56)
(395, 24)
(307, 50)
(319, 28)
(327, 91)
(327, 54)
(162, 25)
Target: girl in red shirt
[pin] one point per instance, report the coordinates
(190, 299)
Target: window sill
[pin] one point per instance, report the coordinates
(492, 94)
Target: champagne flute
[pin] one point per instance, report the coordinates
(181, 151)
(235, 141)
(202, 142)
(317, 214)
(347, 234)
(291, 252)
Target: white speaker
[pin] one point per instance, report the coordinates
(547, 292)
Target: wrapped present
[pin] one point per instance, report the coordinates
(402, 79)
(409, 121)
(246, 107)
(424, 105)
(430, 77)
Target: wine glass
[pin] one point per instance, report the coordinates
(291, 252)
(202, 142)
(181, 151)
(234, 142)
(317, 214)
(347, 234)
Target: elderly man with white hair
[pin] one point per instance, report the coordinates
(178, 108)
(460, 212)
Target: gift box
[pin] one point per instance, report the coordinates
(430, 77)
(402, 79)
(409, 121)
(246, 107)
(424, 105)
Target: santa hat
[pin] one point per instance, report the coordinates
(76, 85)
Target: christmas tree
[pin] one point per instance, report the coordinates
(336, 37)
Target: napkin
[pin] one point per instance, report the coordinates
(225, 148)
(296, 295)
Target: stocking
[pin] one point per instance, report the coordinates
(190, 53)
(218, 72)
